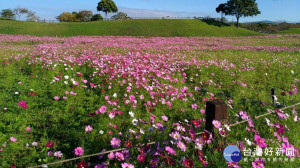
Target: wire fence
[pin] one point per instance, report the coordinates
(151, 143)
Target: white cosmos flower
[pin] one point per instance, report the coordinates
(292, 71)
(115, 95)
(227, 127)
(131, 114)
(268, 121)
(16, 93)
(101, 132)
(66, 77)
(135, 121)
(66, 82)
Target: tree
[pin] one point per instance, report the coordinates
(20, 11)
(66, 17)
(96, 17)
(8, 14)
(222, 8)
(32, 17)
(107, 6)
(239, 8)
(84, 15)
(120, 16)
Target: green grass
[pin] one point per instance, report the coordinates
(161, 27)
(290, 31)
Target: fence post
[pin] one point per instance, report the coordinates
(273, 95)
(215, 110)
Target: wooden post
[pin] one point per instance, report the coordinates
(215, 110)
(273, 94)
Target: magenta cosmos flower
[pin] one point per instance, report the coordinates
(260, 141)
(170, 151)
(115, 142)
(49, 144)
(188, 163)
(102, 109)
(259, 163)
(23, 104)
(78, 151)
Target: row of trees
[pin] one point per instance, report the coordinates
(106, 6)
(11, 14)
(81, 16)
(86, 16)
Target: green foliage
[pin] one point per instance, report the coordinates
(20, 11)
(84, 15)
(107, 6)
(96, 17)
(120, 16)
(239, 8)
(8, 14)
(32, 17)
(131, 27)
(66, 17)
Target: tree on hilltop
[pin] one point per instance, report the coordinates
(107, 6)
(20, 11)
(84, 15)
(239, 8)
(8, 14)
(120, 16)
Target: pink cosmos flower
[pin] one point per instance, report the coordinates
(78, 151)
(181, 146)
(23, 104)
(119, 156)
(102, 109)
(217, 124)
(142, 97)
(115, 142)
(127, 165)
(13, 139)
(56, 98)
(131, 98)
(260, 141)
(165, 118)
(111, 155)
(194, 106)
(28, 129)
(88, 128)
(202, 111)
(58, 154)
(171, 151)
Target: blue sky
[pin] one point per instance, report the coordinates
(274, 10)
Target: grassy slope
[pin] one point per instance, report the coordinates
(290, 31)
(120, 28)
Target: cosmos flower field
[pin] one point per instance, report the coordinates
(63, 98)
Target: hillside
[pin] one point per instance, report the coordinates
(158, 27)
(290, 31)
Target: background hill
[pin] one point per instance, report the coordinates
(147, 27)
